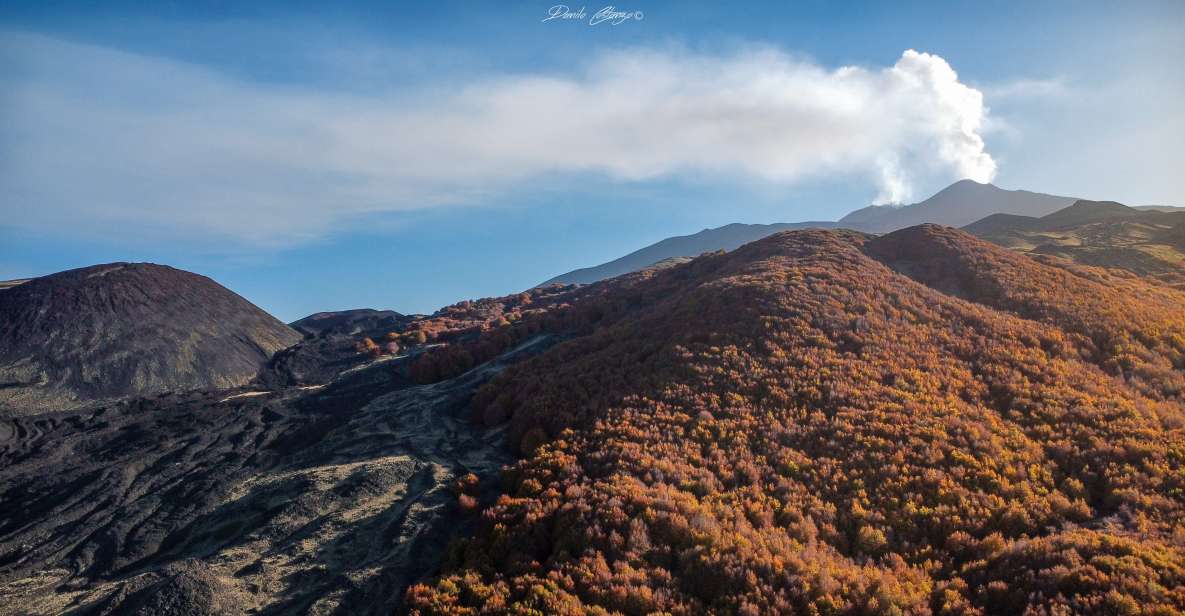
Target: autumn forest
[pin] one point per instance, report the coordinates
(827, 422)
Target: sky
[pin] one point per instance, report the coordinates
(326, 156)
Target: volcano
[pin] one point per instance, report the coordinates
(122, 329)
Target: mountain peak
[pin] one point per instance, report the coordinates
(957, 205)
(971, 182)
(121, 329)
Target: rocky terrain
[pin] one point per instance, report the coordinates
(348, 322)
(327, 484)
(8, 284)
(105, 332)
(329, 346)
(323, 499)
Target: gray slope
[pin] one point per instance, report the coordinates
(957, 205)
(728, 237)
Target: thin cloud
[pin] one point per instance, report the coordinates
(1027, 89)
(126, 143)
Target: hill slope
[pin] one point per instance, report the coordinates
(347, 321)
(329, 496)
(121, 329)
(1083, 211)
(821, 422)
(728, 237)
(1145, 242)
(956, 205)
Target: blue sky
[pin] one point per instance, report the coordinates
(320, 156)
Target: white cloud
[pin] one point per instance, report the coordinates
(127, 143)
(1021, 89)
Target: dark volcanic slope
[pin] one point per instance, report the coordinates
(825, 423)
(327, 499)
(123, 329)
(327, 493)
(348, 322)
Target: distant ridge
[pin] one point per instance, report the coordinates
(997, 223)
(1148, 242)
(1083, 211)
(957, 205)
(728, 237)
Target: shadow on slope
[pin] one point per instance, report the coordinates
(326, 498)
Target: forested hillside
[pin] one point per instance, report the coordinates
(822, 422)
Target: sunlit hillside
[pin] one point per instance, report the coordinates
(822, 422)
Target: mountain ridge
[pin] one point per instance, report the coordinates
(959, 204)
(1145, 242)
(956, 205)
(726, 237)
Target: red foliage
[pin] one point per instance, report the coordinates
(466, 484)
(820, 422)
(368, 346)
(466, 502)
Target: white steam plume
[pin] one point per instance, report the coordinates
(123, 141)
